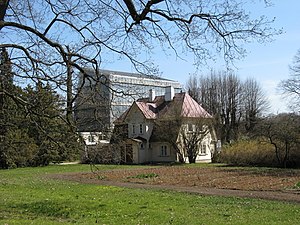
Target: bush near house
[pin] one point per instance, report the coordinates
(98, 154)
(248, 152)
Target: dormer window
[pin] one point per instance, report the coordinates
(133, 128)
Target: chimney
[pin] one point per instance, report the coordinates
(170, 92)
(151, 95)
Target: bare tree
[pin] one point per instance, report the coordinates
(219, 94)
(232, 102)
(192, 136)
(283, 132)
(184, 131)
(254, 103)
(291, 86)
(193, 87)
(231, 110)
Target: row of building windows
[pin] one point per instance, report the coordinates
(131, 80)
(139, 127)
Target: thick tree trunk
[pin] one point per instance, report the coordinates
(3, 8)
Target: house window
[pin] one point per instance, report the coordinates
(163, 151)
(190, 127)
(203, 149)
(91, 138)
(141, 128)
(133, 128)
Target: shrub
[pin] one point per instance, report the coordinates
(100, 153)
(17, 150)
(248, 152)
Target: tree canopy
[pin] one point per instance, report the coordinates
(49, 39)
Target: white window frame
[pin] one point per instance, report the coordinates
(203, 150)
(164, 151)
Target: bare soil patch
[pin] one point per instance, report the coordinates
(275, 184)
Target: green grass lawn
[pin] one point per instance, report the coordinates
(27, 196)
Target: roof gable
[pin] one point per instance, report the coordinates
(191, 109)
(121, 119)
(148, 109)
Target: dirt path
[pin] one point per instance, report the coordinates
(268, 184)
(289, 196)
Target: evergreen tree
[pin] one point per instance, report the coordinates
(6, 83)
(17, 148)
(55, 141)
(5, 72)
(33, 131)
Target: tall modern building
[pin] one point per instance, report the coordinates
(104, 97)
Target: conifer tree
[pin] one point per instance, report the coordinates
(46, 122)
(6, 78)
(17, 148)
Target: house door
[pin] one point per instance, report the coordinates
(129, 153)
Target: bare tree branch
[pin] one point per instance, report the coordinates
(291, 86)
(46, 39)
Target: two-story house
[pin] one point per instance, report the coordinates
(164, 128)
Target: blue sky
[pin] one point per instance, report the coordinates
(267, 63)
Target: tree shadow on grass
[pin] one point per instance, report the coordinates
(56, 210)
(260, 171)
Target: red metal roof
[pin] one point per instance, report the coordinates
(191, 109)
(183, 104)
(148, 109)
